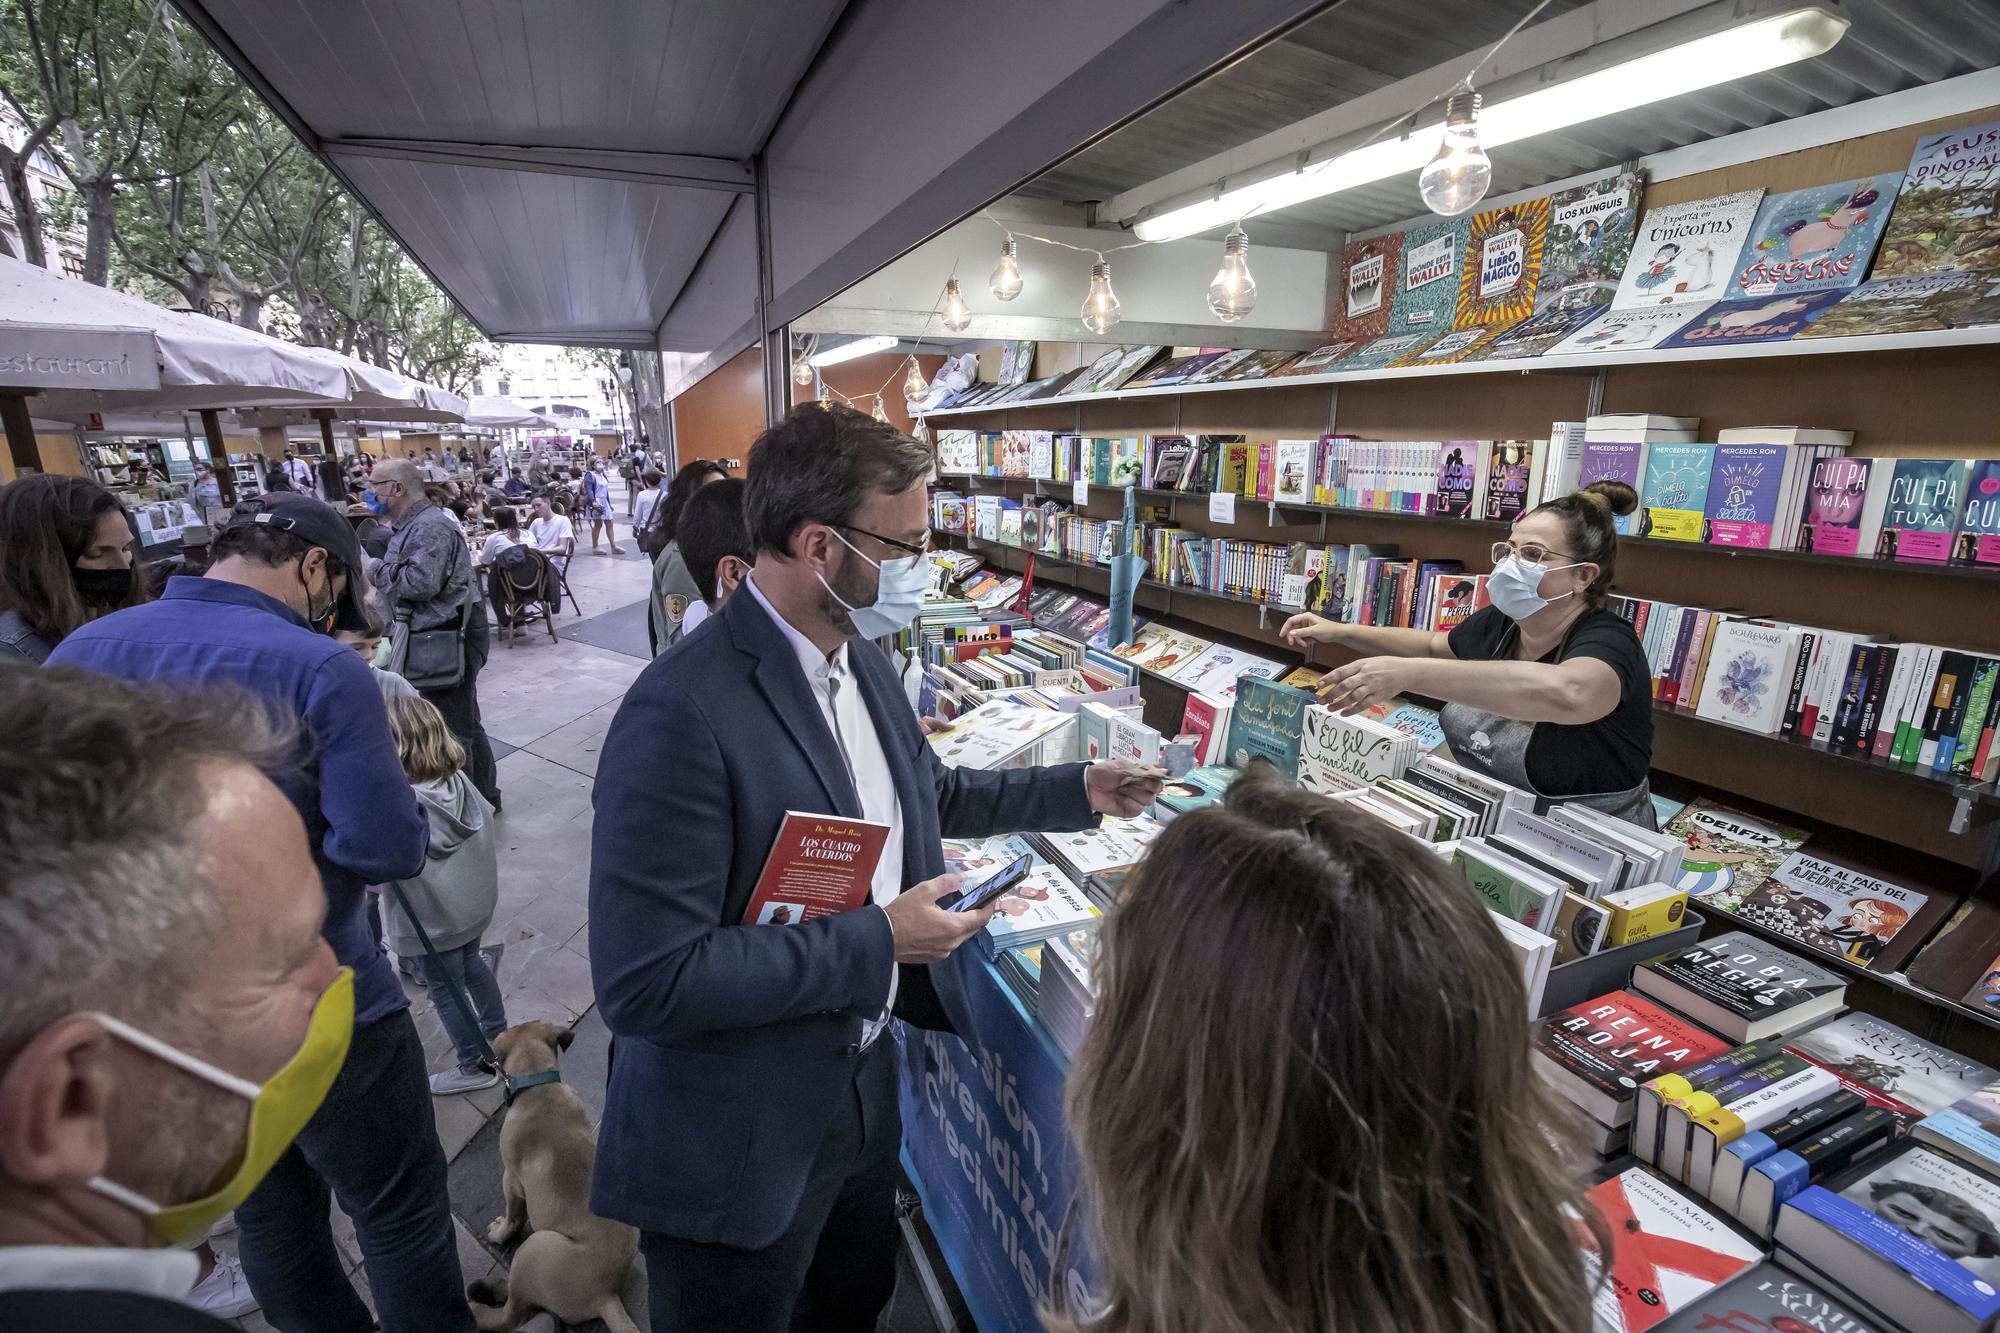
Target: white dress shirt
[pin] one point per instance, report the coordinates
(838, 691)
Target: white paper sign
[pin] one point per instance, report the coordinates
(1080, 495)
(1222, 506)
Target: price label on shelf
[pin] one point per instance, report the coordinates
(1222, 506)
(1081, 494)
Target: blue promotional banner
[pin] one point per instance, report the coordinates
(983, 1139)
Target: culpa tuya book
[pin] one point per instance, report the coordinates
(1922, 509)
(1910, 1234)
(1669, 1251)
(818, 865)
(1741, 987)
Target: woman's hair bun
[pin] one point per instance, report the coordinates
(1615, 496)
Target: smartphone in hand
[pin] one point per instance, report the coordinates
(991, 890)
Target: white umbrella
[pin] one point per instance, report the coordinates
(494, 410)
(374, 389)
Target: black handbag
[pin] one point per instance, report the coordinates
(434, 659)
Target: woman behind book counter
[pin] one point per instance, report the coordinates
(1304, 1102)
(1546, 689)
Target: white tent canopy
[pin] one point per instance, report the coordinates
(58, 337)
(494, 410)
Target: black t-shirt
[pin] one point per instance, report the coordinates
(1610, 754)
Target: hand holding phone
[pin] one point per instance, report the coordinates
(993, 889)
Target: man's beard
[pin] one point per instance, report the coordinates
(841, 581)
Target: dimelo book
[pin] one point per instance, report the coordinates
(1814, 240)
(1426, 295)
(1744, 489)
(1676, 490)
(1944, 216)
(1686, 253)
(1503, 264)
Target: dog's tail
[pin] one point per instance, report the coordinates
(612, 1312)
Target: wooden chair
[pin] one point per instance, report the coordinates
(519, 581)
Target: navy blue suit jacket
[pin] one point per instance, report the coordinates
(734, 1044)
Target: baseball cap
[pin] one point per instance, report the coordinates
(316, 523)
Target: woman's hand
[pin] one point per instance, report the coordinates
(1363, 683)
(1306, 629)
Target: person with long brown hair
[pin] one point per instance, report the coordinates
(1305, 1101)
(1546, 689)
(67, 556)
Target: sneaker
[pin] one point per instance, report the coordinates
(225, 1292)
(454, 1081)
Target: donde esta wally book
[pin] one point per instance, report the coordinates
(1426, 297)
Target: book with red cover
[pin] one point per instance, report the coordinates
(818, 865)
(1668, 1251)
(1597, 1053)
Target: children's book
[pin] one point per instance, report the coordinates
(1757, 319)
(1503, 264)
(1449, 348)
(1368, 272)
(1914, 303)
(1589, 242)
(1686, 253)
(1944, 215)
(1814, 240)
(1427, 295)
(1382, 351)
(1628, 329)
(1537, 333)
(1841, 911)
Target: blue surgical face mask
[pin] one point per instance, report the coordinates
(1516, 588)
(899, 595)
(375, 505)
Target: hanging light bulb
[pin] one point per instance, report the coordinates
(825, 397)
(1234, 291)
(802, 373)
(915, 386)
(954, 314)
(881, 412)
(1100, 304)
(1006, 280)
(1457, 177)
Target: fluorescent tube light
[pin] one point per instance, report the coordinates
(1702, 62)
(833, 356)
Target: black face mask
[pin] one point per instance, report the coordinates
(102, 587)
(321, 621)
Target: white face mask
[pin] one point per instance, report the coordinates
(899, 594)
(1516, 588)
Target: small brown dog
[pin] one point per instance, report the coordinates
(573, 1262)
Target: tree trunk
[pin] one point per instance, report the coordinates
(250, 310)
(100, 204)
(27, 218)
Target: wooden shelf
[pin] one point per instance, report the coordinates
(1954, 786)
(1757, 556)
(1572, 364)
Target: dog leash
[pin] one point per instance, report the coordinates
(512, 1083)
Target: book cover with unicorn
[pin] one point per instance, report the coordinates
(1687, 253)
(1814, 240)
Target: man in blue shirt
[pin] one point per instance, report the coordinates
(286, 574)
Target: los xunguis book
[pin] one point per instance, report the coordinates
(1589, 243)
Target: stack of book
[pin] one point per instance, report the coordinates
(1005, 733)
(1087, 855)
(1068, 993)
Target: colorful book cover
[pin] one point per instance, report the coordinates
(1759, 319)
(1458, 477)
(1267, 722)
(1676, 490)
(1669, 1251)
(1749, 667)
(1589, 243)
(1384, 350)
(1944, 217)
(1925, 497)
(1509, 473)
(1728, 852)
(1743, 494)
(1931, 1218)
(1368, 271)
(1814, 240)
(1449, 348)
(1538, 333)
(1832, 522)
(1615, 1042)
(1686, 253)
(1503, 264)
(1608, 460)
(1045, 903)
(1768, 1299)
(1217, 671)
(1628, 330)
(1427, 295)
(1260, 364)
(1979, 526)
(1338, 753)
(1841, 911)
(1915, 303)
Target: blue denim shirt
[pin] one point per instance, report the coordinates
(361, 816)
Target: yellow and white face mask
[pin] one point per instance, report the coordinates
(279, 1109)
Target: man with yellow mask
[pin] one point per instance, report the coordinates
(170, 1014)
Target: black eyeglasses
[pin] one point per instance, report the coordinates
(924, 549)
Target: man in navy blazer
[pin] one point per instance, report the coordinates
(751, 1129)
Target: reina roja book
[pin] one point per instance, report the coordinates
(818, 865)
(1597, 1053)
